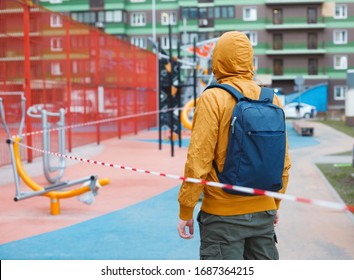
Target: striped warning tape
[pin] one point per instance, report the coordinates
(321, 203)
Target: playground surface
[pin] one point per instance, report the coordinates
(135, 216)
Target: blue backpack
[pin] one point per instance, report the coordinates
(257, 138)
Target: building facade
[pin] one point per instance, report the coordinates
(311, 39)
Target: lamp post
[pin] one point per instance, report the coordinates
(154, 20)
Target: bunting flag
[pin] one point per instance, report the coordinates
(204, 49)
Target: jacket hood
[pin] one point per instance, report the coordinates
(233, 57)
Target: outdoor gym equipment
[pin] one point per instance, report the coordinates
(37, 111)
(55, 191)
(185, 113)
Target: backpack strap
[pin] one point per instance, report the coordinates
(234, 92)
(266, 93)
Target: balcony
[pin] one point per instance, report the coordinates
(292, 73)
(296, 52)
(295, 26)
(293, 2)
(294, 76)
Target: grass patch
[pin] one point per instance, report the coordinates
(349, 153)
(340, 177)
(341, 180)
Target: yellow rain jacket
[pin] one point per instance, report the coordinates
(232, 63)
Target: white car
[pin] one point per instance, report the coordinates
(299, 110)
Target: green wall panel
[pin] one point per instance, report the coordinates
(68, 6)
(114, 4)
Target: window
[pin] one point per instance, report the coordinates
(74, 67)
(56, 21)
(191, 37)
(340, 37)
(74, 16)
(217, 12)
(114, 16)
(278, 67)
(85, 17)
(208, 12)
(227, 12)
(249, 14)
(190, 13)
(101, 16)
(211, 12)
(169, 17)
(277, 16)
(139, 42)
(340, 11)
(56, 44)
(252, 36)
(277, 41)
(56, 69)
(311, 15)
(165, 42)
(92, 66)
(109, 16)
(203, 13)
(313, 66)
(312, 41)
(340, 62)
(118, 16)
(339, 92)
(138, 19)
(89, 17)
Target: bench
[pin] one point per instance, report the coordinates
(303, 128)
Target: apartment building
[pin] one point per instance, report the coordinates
(313, 39)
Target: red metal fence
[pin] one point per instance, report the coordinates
(52, 60)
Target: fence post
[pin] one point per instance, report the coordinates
(27, 72)
(135, 88)
(118, 87)
(68, 79)
(4, 77)
(97, 80)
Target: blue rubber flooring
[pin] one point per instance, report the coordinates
(144, 231)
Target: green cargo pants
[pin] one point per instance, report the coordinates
(239, 237)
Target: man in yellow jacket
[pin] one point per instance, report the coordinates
(231, 226)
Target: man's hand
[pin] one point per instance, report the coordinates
(276, 221)
(181, 228)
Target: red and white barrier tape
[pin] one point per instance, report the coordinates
(98, 122)
(321, 203)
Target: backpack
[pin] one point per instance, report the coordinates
(256, 148)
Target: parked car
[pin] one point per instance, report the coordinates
(299, 110)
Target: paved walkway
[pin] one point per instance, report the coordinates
(312, 232)
(135, 216)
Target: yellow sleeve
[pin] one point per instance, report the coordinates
(287, 161)
(200, 152)
(285, 175)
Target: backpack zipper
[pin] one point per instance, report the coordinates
(233, 125)
(276, 132)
